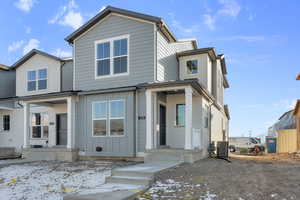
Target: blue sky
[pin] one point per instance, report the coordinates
(259, 38)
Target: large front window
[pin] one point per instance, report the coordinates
(109, 118)
(111, 57)
(40, 125)
(37, 80)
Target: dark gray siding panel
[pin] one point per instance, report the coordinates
(7, 84)
(112, 146)
(67, 76)
(141, 54)
(141, 123)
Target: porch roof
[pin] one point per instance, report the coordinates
(48, 95)
(192, 82)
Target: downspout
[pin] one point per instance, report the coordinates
(210, 148)
(135, 142)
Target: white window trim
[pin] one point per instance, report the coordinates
(111, 56)
(108, 118)
(37, 80)
(42, 126)
(186, 67)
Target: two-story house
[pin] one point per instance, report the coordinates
(131, 87)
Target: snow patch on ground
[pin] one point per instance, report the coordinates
(53, 180)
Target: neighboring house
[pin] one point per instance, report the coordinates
(130, 88)
(285, 121)
(297, 115)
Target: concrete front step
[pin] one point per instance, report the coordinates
(130, 173)
(7, 152)
(173, 155)
(130, 180)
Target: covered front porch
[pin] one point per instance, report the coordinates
(49, 126)
(177, 122)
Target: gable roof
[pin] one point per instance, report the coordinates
(30, 54)
(286, 113)
(4, 67)
(209, 50)
(109, 9)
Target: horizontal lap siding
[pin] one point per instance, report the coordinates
(112, 146)
(141, 54)
(167, 64)
(67, 76)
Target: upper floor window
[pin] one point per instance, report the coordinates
(111, 57)
(37, 79)
(192, 67)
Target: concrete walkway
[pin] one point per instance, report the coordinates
(14, 162)
(141, 176)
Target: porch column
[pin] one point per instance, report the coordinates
(71, 122)
(26, 109)
(149, 124)
(188, 118)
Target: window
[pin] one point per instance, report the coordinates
(40, 125)
(37, 80)
(116, 118)
(112, 57)
(108, 118)
(6, 122)
(180, 114)
(192, 66)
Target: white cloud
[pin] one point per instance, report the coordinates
(32, 44)
(209, 21)
(230, 8)
(251, 17)
(25, 5)
(183, 30)
(15, 46)
(102, 8)
(61, 53)
(286, 104)
(73, 19)
(247, 38)
(68, 16)
(27, 30)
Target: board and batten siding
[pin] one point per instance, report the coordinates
(34, 63)
(141, 53)
(7, 83)
(67, 76)
(112, 145)
(167, 64)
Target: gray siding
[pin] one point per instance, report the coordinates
(141, 122)
(141, 54)
(67, 76)
(167, 64)
(112, 146)
(7, 83)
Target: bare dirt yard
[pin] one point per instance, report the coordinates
(275, 177)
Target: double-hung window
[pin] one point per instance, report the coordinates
(40, 125)
(192, 67)
(111, 57)
(6, 122)
(180, 114)
(37, 79)
(109, 118)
